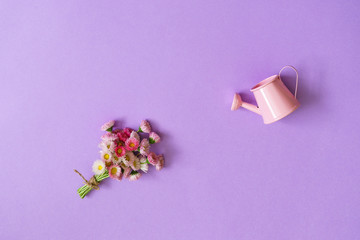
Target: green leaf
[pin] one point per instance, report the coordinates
(140, 130)
(151, 141)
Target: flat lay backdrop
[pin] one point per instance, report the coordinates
(66, 67)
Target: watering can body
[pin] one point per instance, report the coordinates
(274, 99)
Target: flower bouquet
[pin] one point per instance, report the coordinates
(124, 154)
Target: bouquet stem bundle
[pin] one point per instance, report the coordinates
(91, 184)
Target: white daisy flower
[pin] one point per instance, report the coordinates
(128, 158)
(135, 165)
(144, 167)
(134, 176)
(123, 165)
(106, 155)
(107, 145)
(142, 159)
(98, 167)
(116, 159)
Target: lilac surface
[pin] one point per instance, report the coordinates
(66, 67)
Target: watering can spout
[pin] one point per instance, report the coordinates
(237, 103)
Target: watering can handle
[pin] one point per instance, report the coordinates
(297, 76)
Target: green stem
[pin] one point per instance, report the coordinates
(84, 190)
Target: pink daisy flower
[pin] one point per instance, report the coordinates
(108, 126)
(145, 147)
(122, 136)
(114, 171)
(128, 131)
(134, 176)
(109, 137)
(121, 176)
(160, 163)
(132, 144)
(116, 131)
(127, 172)
(145, 127)
(135, 135)
(152, 158)
(154, 138)
(120, 151)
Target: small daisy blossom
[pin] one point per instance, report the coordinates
(144, 167)
(116, 159)
(128, 131)
(119, 143)
(160, 163)
(131, 144)
(110, 145)
(135, 165)
(98, 167)
(114, 171)
(135, 135)
(122, 136)
(145, 127)
(109, 137)
(108, 126)
(152, 158)
(145, 147)
(116, 131)
(128, 158)
(134, 176)
(108, 163)
(154, 138)
(127, 172)
(120, 151)
(106, 155)
(123, 165)
(142, 159)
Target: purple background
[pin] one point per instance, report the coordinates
(67, 67)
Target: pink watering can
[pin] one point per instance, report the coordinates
(274, 99)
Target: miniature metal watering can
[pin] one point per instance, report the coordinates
(274, 99)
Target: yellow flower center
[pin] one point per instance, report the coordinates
(108, 146)
(132, 145)
(127, 158)
(116, 158)
(119, 151)
(100, 167)
(106, 156)
(113, 171)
